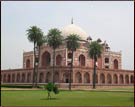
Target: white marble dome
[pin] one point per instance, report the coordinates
(74, 29)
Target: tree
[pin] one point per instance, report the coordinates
(40, 42)
(54, 40)
(72, 45)
(34, 34)
(95, 51)
(51, 87)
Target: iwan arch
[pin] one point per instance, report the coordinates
(109, 71)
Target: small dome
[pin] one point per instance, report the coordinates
(73, 29)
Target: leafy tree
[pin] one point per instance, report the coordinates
(54, 39)
(95, 51)
(72, 45)
(51, 87)
(34, 34)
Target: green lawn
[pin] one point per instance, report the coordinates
(66, 98)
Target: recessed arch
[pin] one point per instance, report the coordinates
(41, 77)
(127, 79)
(28, 77)
(56, 77)
(115, 79)
(121, 79)
(18, 78)
(48, 77)
(9, 78)
(78, 77)
(23, 77)
(13, 78)
(115, 64)
(46, 59)
(28, 63)
(4, 78)
(66, 77)
(109, 78)
(82, 60)
(131, 79)
(102, 78)
(106, 60)
(58, 60)
(86, 78)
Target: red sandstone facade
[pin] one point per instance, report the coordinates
(109, 69)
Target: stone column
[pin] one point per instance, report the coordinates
(82, 73)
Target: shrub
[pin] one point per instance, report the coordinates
(51, 87)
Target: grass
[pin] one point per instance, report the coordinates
(66, 98)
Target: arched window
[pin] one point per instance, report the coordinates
(86, 78)
(106, 60)
(46, 59)
(9, 77)
(23, 78)
(41, 77)
(131, 79)
(102, 78)
(82, 60)
(115, 64)
(48, 77)
(28, 77)
(69, 55)
(109, 79)
(121, 79)
(127, 79)
(58, 60)
(56, 77)
(27, 63)
(13, 77)
(115, 77)
(78, 77)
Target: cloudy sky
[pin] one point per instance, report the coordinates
(112, 21)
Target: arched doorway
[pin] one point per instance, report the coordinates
(82, 60)
(127, 79)
(78, 77)
(86, 78)
(56, 77)
(41, 77)
(13, 78)
(27, 63)
(23, 78)
(4, 78)
(102, 78)
(46, 59)
(109, 79)
(18, 78)
(131, 79)
(28, 77)
(48, 77)
(115, 78)
(58, 60)
(69, 55)
(115, 64)
(66, 78)
(9, 77)
(121, 79)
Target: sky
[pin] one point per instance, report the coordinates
(112, 21)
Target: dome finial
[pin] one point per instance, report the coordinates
(72, 20)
